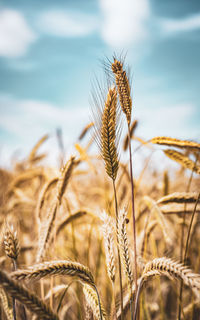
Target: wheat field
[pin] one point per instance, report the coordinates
(90, 239)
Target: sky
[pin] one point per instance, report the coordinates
(51, 51)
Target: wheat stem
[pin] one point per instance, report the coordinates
(133, 211)
(118, 253)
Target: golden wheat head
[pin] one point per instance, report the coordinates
(11, 244)
(123, 88)
(108, 134)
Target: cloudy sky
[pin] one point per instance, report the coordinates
(51, 50)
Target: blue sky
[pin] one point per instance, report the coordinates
(50, 51)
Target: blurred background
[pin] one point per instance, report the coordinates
(51, 50)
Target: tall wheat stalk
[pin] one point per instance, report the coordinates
(106, 124)
(11, 246)
(124, 92)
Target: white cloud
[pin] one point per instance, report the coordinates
(15, 34)
(174, 121)
(23, 122)
(66, 24)
(124, 21)
(179, 25)
(29, 118)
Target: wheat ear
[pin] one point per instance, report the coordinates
(124, 250)
(92, 300)
(172, 269)
(6, 305)
(63, 267)
(68, 220)
(46, 229)
(164, 226)
(32, 302)
(11, 244)
(124, 245)
(42, 196)
(183, 160)
(85, 130)
(64, 179)
(175, 142)
(60, 267)
(179, 197)
(108, 134)
(32, 154)
(108, 232)
(123, 88)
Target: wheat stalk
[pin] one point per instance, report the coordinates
(165, 183)
(183, 160)
(132, 130)
(31, 301)
(107, 143)
(175, 142)
(124, 92)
